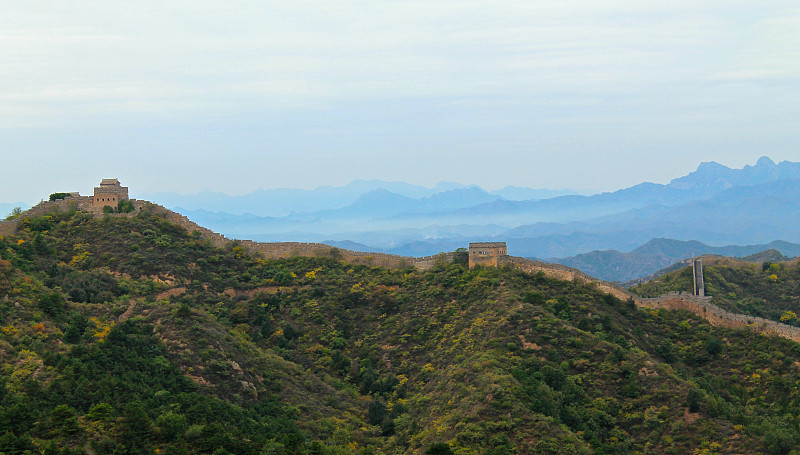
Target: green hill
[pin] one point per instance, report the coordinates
(127, 334)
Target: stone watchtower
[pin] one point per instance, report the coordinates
(110, 192)
(486, 253)
(699, 283)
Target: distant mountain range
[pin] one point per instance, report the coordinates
(714, 205)
(283, 202)
(404, 218)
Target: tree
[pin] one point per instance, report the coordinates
(439, 448)
(57, 196)
(135, 426)
(461, 257)
(172, 425)
(63, 420)
(15, 212)
(693, 399)
(124, 206)
(52, 303)
(713, 346)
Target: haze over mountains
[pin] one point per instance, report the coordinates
(287, 201)
(715, 205)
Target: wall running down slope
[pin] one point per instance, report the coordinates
(701, 306)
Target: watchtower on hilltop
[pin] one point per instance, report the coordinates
(110, 192)
(486, 253)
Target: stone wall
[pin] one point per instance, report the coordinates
(703, 307)
(218, 240)
(562, 272)
(277, 250)
(698, 305)
(428, 262)
(9, 227)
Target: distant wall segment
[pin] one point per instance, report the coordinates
(562, 272)
(699, 305)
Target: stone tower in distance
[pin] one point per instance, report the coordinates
(110, 192)
(486, 253)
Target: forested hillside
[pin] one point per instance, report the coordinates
(130, 335)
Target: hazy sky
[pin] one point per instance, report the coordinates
(238, 95)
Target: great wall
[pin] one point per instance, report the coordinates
(273, 250)
(698, 304)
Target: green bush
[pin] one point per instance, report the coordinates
(57, 196)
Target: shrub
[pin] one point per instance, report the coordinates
(58, 196)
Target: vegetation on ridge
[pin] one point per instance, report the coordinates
(130, 335)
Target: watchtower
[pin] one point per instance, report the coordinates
(486, 253)
(110, 192)
(699, 283)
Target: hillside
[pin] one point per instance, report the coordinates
(127, 334)
(770, 290)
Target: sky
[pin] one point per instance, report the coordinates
(233, 96)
